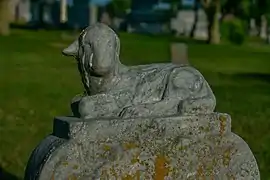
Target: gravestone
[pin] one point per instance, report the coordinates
(179, 53)
(145, 122)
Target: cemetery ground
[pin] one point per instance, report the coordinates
(37, 83)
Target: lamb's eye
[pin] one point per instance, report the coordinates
(82, 32)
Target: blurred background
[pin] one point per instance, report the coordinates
(227, 40)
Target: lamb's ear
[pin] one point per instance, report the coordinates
(117, 45)
(87, 56)
(72, 49)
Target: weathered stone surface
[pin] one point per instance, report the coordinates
(115, 90)
(175, 147)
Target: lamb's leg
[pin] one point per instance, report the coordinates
(202, 105)
(102, 105)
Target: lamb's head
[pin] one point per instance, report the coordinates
(97, 50)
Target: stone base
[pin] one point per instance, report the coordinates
(185, 147)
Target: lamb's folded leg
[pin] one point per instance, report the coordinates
(201, 105)
(102, 105)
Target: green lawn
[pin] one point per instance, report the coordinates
(37, 83)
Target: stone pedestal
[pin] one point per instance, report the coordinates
(177, 147)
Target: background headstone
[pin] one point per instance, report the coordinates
(179, 53)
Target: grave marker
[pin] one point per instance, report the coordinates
(149, 122)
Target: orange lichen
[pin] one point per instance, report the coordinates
(75, 166)
(222, 120)
(231, 177)
(136, 176)
(128, 146)
(210, 171)
(135, 158)
(212, 176)
(106, 147)
(65, 163)
(113, 172)
(227, 157)
(72, 177)
(128, 177)
(161, 168)
(103, 175)
(200, 173)
(52, 178)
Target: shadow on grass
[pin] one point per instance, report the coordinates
(249, 76)
(4, 175)
(187, 40)
(38, 26)
(255, 76)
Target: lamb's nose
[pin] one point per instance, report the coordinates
(72, 49)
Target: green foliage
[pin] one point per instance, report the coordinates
(259, 8)
(119, 7)
(240, 8)
(234, 31)
(263, 6)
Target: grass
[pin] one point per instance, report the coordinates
(37, 83)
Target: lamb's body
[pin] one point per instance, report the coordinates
(161, 89)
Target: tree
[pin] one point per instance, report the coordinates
(268, 28)
(212, 10)
(240, 11)
(196, 18)
(240, 8)
(267, 18)
(4, 17)
(263, 11)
